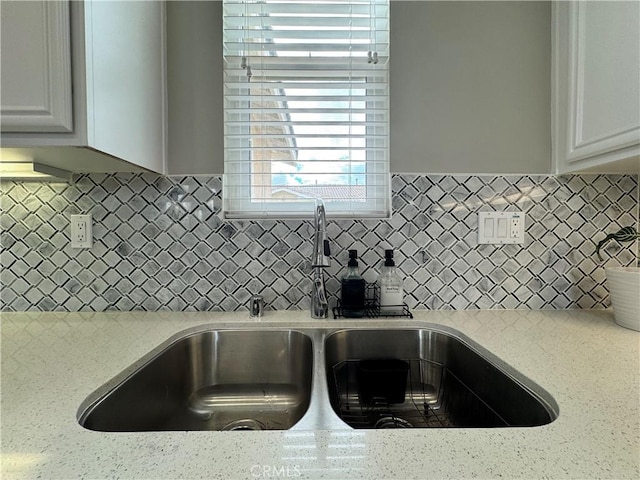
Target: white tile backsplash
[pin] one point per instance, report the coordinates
(159, 244)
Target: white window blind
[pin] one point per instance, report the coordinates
(306, 108)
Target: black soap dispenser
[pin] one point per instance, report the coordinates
(353, 289)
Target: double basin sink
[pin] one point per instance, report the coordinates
(209, 378)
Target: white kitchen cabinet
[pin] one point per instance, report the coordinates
(115, 91)
(36, 67)
(596, 86)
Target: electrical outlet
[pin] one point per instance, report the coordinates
(515, 227)
(500, 227)
(81, 234)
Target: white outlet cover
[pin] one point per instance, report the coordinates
(501, 228)
(81, 231)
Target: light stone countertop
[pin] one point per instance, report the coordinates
(591, 366)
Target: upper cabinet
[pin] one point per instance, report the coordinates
(596, 87)
(36, 67)
(84, 74)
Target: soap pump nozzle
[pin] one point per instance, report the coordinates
(353, 258)
(388, 259)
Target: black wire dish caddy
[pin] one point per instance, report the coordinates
(372, 307)
(433, 398)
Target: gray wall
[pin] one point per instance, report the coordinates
(194, 69)
(470, 87)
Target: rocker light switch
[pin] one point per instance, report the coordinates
(502, 228)
(488, 227)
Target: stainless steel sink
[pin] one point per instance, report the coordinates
(209, 380)
(316, 379)
(395, 378)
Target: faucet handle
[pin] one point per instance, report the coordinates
(322, 257)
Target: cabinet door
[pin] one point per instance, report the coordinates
(126, 106)
(36, 66)
(598, 87)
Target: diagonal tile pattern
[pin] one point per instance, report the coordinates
(159, 244)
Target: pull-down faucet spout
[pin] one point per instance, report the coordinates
(320, 259)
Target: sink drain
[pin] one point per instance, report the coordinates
(246, 424)
(392, 422)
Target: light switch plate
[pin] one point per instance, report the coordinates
(500, 227)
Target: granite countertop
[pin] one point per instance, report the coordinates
(591, 366)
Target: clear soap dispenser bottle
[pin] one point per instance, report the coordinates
(390, 284)
(353, 289)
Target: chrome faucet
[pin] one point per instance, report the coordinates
(319, 261)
